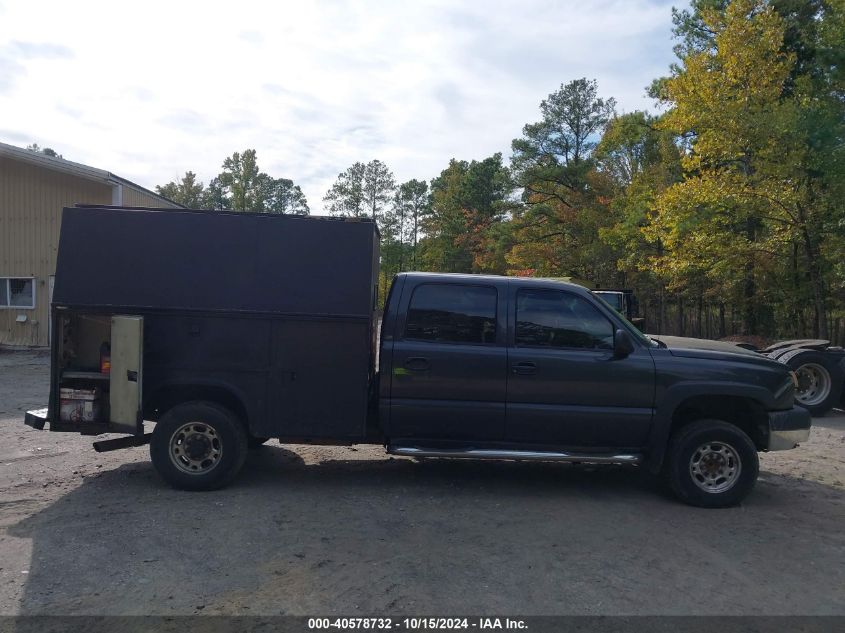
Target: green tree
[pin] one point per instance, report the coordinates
(411, 203)
(362, 190)
(241, 186)
(243, 182)
(282, 196)
(187, 191)
(629, 146)
(556, 232)
(641, 161)
(750, 191)
(469, 203)
(346, 195)
(215, 196)
(551, 159)
(378, 188)
(802, 21)
(47, 151)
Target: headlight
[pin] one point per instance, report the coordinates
(794, 377)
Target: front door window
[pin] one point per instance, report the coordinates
(551, 318)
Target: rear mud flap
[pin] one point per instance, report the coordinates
(36, 418)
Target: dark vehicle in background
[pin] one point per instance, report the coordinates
(226, 329)
(625, 303)
(819, 368)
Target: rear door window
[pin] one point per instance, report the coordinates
(452, 313)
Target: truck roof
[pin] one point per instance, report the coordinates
(530, 282)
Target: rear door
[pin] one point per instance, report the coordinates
(565, 386)
(449, 362)
(127, 344)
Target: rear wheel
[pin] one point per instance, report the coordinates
(712, 464)
(198, 446)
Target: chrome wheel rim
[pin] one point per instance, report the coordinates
(195, 448)
(814, 384)
(715, 467)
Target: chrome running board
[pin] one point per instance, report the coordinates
(487, 453)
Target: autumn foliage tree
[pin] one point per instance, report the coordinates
(750, 204)
(469, 199)
(555, 232)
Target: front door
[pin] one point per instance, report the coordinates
(449, 363)
(565, 387)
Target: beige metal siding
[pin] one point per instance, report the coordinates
(31, 200)
(136, 198)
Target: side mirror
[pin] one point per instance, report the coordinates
(623, 345)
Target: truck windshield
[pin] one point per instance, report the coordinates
(627, 324)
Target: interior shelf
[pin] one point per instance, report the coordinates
(88, 375)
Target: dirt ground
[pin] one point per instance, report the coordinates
(313, 530)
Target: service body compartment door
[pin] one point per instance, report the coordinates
(127, 344)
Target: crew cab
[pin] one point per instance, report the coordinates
(221, 330)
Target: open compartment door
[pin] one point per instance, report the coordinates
(127, 344)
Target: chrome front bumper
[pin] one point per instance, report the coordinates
(788, 429)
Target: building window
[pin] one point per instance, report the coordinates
(17, 292)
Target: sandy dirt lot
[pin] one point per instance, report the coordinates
(308, 530)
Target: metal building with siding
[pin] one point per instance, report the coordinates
(33, 190)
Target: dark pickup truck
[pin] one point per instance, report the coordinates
(226, 329)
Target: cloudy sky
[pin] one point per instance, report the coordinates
(151, 91)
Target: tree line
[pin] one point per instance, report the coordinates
(240, 186)
(724, 210)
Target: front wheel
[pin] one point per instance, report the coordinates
(712, 464)
(198, 446)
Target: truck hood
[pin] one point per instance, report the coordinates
(703, 348)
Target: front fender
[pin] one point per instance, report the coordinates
(674, 397)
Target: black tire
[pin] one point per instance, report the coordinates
(822, 368)
(726, 444)
(210, 453)
(256, 442)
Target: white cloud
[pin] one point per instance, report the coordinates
(169, 86)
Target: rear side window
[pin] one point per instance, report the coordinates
(550, 318)
(452, 313)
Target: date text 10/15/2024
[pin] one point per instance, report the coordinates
(417, 624)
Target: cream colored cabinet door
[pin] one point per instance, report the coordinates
(127, 345)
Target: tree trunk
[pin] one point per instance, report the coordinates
(680, 316)
(749, 290)
(699, 329)
(414, 255)
(814, 270)
(820, 329)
